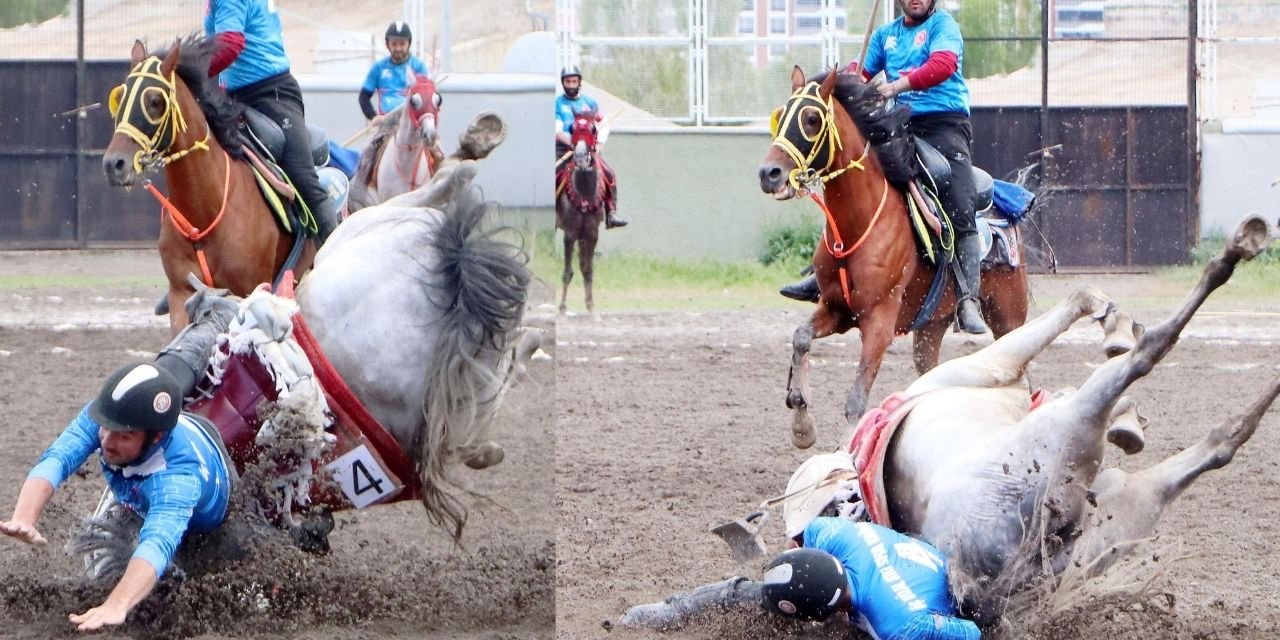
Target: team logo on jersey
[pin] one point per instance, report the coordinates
(891, 43)
(920, 38)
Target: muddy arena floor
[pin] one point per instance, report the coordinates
(665, 425)
(391, 574)
(671, 423)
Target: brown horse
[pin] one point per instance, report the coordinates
(878, 281)
(216, 224)
(580, 205)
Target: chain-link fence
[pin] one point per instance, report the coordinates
(726, 61)
(320, 36)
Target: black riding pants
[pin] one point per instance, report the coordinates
(280, 99)
(952, 135)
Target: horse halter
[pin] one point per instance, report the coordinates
(152, 135)
(812, 154)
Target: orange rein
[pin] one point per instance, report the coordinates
(189, 231)
(838, 250)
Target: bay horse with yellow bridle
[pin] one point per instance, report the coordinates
(215, 222)
(871, 274)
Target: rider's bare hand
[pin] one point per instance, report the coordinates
(22, 531)
(377, 120)
(103, 615)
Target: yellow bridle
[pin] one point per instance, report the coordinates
(133, 120)
(785, 124)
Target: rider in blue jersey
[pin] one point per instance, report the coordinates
(167, 467)
(922, 56)
(572, 103)
(254, 69)
(391, 76)
(893, 586)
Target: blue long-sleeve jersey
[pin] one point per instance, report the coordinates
(892, 577)
(180, 483)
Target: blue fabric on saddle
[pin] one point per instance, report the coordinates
(343, 159)
(1012, 201)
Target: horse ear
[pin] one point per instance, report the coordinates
(797, 78)
(170, 61)
(139, 52)
(828, 84)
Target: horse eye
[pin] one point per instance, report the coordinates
(155, 101)
(812, 119)
(416, 101)
(437, 100)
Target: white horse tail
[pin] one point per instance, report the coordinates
(481, 284)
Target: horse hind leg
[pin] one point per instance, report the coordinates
(1130, 505)
(586, 264)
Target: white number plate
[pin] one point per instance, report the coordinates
(362, 479)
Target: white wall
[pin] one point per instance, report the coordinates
(1238, 165)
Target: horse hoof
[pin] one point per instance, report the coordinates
(1120, 330)
(482, 456)
(1251, 237)
(803, 435)
(1127, 427)
(1128, 438)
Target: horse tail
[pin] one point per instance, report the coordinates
(481, 284)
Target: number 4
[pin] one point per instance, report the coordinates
(357, 471)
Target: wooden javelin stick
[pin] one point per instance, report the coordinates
(866, 38)
(356, 136)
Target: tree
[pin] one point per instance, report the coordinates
(19, 12)
(995, 19)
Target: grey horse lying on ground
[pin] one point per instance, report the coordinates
(947, 474)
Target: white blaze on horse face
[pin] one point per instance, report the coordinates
(427, 129)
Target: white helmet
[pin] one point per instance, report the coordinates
(810, 500)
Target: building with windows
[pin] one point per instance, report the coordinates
(783, 20)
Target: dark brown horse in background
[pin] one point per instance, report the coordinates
(878, 281)
(580, 205)
(169, 113)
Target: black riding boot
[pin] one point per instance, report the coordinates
(612, 221)
(736, 593)
(805, 291)
(969, 311)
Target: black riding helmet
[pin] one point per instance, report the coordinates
(569, 71)
(399, 29)
(138, 397)
(804, 583)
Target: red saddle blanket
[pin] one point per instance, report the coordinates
(870, 444)
(366, 463)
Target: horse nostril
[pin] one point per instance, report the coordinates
(770, 175)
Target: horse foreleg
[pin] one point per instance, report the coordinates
(568, 273)
(821, 324)
(1130, 505)
(1005, 361)
(877, 333)
(803, 434)
(177, 310)
(1106, 384)
(586, 264)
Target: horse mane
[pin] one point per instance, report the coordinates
(220, 111)
(884, 127)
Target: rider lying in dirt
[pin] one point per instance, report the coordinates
(168, 467)
(890, 585)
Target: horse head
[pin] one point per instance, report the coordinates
(806, 138)
(423, 104)
(583, 130)
(147, 115)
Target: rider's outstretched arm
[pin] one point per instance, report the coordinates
(35, 494)
(138, 581)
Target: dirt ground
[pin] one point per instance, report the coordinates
(391, 574)
(671, 423)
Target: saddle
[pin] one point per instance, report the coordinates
(269, 356)
(266, 143)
